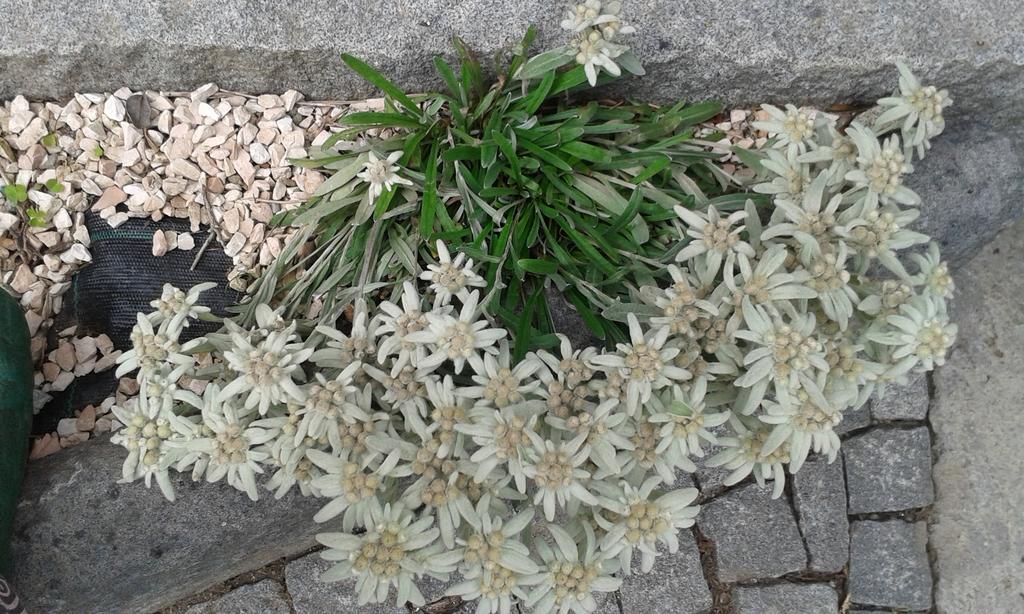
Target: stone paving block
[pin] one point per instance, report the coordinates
(854, 419)
(786, 598)
(889, 469)
(819, 493)
(755, 536)
(977, 533)
(889, 565)
(311, 596)
(84, 543)
(907, 402)
(676, 584)
(264, 597)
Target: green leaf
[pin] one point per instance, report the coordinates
(584, 245)
(538, 266)
(628, 62)
(659, 164)
(375, 118)
(545, 63)
(368, 73)
(450, 80)
(36, 217)
(539, 94)
(54, 186)
(697, 113)
(50, 140)
(428, 209)
(587, 152)
(508, 150)
(342, 176)
(545, 155)
(16, 193)
(751, 159)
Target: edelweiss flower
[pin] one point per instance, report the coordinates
(805, 425)
(352, 487)
(645, 363)
(640, 523)
(763, 285)
(394, 551)
(152, 349)
(502, 439)
(450, 278)
(500, 383)
(880, 168)
(918, 109)
(150, 435)
(791, 175)
(880, 233)
(457, 340)
(835, 148)
(571, 574)
(267, 369)
(497, 564)
(812, 222)
(745, 454)
(228, 445)
(594, 52)
(933, 273)
(403, 388)
(382, 174)
(713, 237)
(786, 353)
(357, 346)
(555, 470)
(177, 307)
(921, 334)
(397, 322)
(591, 13)
(682, 303)
(294, 467)
(830, 280)
(684, 423)
(574, 366)
(327, 406)
(792, 128)
(599, 425)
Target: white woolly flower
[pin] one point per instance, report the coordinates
(595, 13)
(829, 279)
(327, 405)
(452, 277)
(502, 440)
(395, 323)
(641, 521)
(784, 353)
(714, 238)
(917, 110)
(683, 303)
(293, 467)
(457, 339)
(880, 168)
(382, 173)
(501, 383)
(921, 335)
(684, 423)
(179, 307)
(595, 52)
(267, 369)
(645, 363)
(228, 445)
(600, 425)
(351, 486)
(790, 176)
(496, 565)
(573, 367)
(933, 273)
(744, 454)
(152, 348)
(150, 435)
(764, 283)
(357, 346)
(396, 549)
(835, 148)
(812, 223)
(792, 128)
(880, 233)
(571, 574)
(805, 425)
(555, 470)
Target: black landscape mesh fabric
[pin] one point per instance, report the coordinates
(123, 278)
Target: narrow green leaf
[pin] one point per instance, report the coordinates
(539, 266)
(586, 151)
(544, 63)
(367, 72)
(375, 118)
(428, 209)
